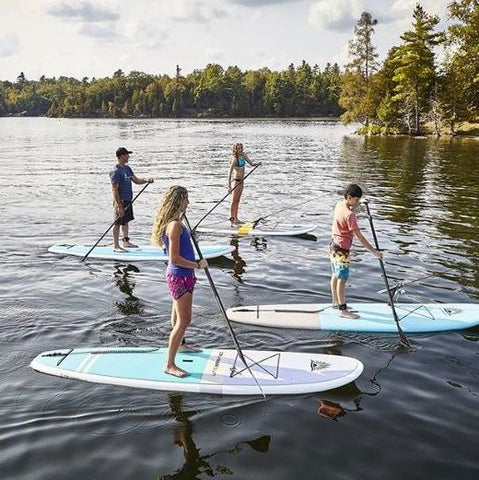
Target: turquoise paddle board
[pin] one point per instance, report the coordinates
(211, 370)
(374, 317)
(142, 253)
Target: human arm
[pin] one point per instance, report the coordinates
(253, 164)
(364, 242)
(116, 198)
(141, 181)
(230, 173)
(173, 230)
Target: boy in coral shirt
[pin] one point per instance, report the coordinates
(345, 228)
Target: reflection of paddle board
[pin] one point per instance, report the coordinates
(134, 254)
(374, 317)
(261, 230)
(211, 370)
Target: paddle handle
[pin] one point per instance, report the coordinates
(402, 336)
(111, 226)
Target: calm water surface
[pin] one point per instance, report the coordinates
(413, 414)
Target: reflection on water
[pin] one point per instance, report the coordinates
(424, 194)
(196, 465)
(124, 278)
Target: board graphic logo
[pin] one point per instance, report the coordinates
(451, 311)
(318, 365)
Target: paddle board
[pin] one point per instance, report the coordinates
(211, 370)
(261, 230)
(142, 253)
(374, 317)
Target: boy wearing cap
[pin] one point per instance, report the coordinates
(121, 177)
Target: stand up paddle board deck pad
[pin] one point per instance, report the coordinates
(374, 317)
(142, 253)
(211, 370)
(261, 230)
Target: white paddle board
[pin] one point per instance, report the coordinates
(210, 371)
(261, 230)
(142, 253)
(374, 317)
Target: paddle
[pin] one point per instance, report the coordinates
(229, 192)
(402, 336)
(222, 308)
(260, 219)
(111, 226)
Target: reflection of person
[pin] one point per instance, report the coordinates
(121, 177)
(196, 465)
(330, 409)
(345, 228)
(235, 180)
(180, 277)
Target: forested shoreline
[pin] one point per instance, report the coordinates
(410, 92)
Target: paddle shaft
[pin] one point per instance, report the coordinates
(116, 219)
(229, 192)
(402, 336)
(222, 308)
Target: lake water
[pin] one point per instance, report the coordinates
(412, 414)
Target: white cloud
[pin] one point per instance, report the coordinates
(338, 15)
(83, 11)
(197, 11)
(9, 45)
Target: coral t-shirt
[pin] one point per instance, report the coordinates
(344, 225)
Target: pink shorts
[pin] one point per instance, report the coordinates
(178, 286)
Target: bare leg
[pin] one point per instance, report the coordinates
(182, 306)
(116, 238)
(341, 296)
(125, 229)
(334, 287)
(235, 201)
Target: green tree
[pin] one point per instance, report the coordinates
(355, 87)
(415, 71)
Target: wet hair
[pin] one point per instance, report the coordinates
(353, 190)
(171, 207)
(236, 147)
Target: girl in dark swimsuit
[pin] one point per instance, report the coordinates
(235, 180)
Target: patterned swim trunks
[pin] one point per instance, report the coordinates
(340, 261)
(178, 286)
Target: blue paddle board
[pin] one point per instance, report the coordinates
(142, 253)
(374, 317)
(210, 370)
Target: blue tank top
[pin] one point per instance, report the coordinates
(241, 162)
(186, 251)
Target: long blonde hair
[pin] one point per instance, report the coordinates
(171, 207)
(237, 147)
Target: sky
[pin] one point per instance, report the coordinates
(94, 38)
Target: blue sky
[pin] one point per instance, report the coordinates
(94, 38)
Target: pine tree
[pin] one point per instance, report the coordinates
(415, 71)
(355, 85)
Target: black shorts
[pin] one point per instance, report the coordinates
(128, 213)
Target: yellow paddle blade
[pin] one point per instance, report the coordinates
(245, 228)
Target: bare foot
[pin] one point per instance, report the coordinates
(129, 245)
(118, 249)
(189, 348)
(349, 314)
(176, 372)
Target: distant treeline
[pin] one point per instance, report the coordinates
(301, 91)
(406, 93)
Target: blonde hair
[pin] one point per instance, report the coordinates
(171, 207)
(236, 148)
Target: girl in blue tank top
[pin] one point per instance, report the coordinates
(169, 231)
(235, 180)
